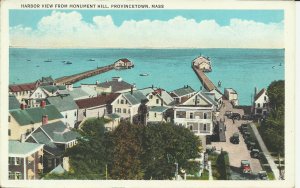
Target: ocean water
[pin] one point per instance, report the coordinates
(241, 69)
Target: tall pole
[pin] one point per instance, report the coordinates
(106, 171)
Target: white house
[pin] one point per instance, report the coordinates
(126, 104)
(157, 97)
(202, 63)
(23, 91)
(232, 96)
(196, 114)
(261, 103)
(67, 107)
(158, 114)
(96, 106)
(123, 64)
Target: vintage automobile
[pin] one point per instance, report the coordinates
(235, 138)
(263, 175)
(245, 167)
(255, 153)
(246, 135)
(251, 145)
(243, 127)
(247, 117)
(236, 116)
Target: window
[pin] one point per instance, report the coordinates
(118, 101)
(66, 116)
(258, 105)
(157, 101)
(191, 127)
(124, 110)
(264, 105)
(205, 127)
(205, 115)
(155, 114)
(11, 161)
(49, 162)
(9, 132)
(180, 114)
(191, 115)
(128, 111)
(8, 118)
(265, 98)
(115, 110)
(150, 96)
(18, 161)
(122, 101)
(126, 101)
(75, 114)
(18, 175)
(11, 175)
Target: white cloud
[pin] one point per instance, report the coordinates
(70, 30)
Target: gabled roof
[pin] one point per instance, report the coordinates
(23, 87)
(97, 101)
(210, 101)
(34, 115)
(13, 102)
(262, 91)
(22, 148)
(210, 97)
(158, 109)
(135, 98)
(164, 95)
(51, 88)
(124, 60)
(48, 79)
(56, 132)
(115, 85)
(90, 91)
(183, 91)
(76, 93)
(62, 102)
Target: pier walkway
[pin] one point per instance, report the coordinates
(80, 76)
(207, 84)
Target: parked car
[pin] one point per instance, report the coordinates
(263, 175)
(235, 138)
(247, 117)
(245, 167)
(255, 153)
(246, 135)
(243, 126)
(244, 129)
(251, 145)
(236, 116)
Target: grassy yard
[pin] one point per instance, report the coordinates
(220, 166)
(204, 176)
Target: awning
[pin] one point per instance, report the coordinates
(30, 158)
(40, 166)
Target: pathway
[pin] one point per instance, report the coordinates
(266, 152)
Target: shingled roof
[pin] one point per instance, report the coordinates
(13, 102)
(23, 87)
(135, 98)
(97, 101)
(62, 102)
(116, 85)
(183, 91)
(18, 148)
(34, 115)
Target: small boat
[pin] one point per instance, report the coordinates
(91, 60)
(144, 74)
(48, 60)
(37, 66)
(219, 83)
(68, 62)
(28, 60)
(280, 64)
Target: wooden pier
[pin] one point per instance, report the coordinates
(80, 76)
(206, 82)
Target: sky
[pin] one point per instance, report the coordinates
(147, 28)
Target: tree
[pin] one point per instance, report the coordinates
(88, 158)
(126, 152)
(276, 94)
(167, 144)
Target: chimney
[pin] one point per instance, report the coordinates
(23, 137)
(43, 104)
(131, 90)
(255, 91)
(22, 106)
(45, 119)
(152, 86)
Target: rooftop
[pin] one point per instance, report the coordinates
(158, 109)
(34, 115)
(13, 102)
(23, 148)
(23, 87)
(62, 102)
(262, 91)
(183, 91)
(231, 90)
(115, 85)
(52, 89)
(97, 101)
(135, 98)
(167, 98)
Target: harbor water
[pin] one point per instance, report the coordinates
(241, 69)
